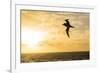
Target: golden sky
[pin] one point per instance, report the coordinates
(42, 31)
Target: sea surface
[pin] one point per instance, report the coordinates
(57, 56)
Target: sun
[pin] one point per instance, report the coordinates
(31, 38)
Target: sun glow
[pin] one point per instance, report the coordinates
(31, 38)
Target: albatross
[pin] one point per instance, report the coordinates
(67, 24)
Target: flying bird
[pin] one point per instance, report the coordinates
(67, 24)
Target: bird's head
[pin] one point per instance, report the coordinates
(66, 19)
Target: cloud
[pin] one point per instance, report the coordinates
(56, 38)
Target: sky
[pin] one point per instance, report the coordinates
(42, 31)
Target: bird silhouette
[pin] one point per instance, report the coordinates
(67, 24)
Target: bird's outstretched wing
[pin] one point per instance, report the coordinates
(67, 31)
